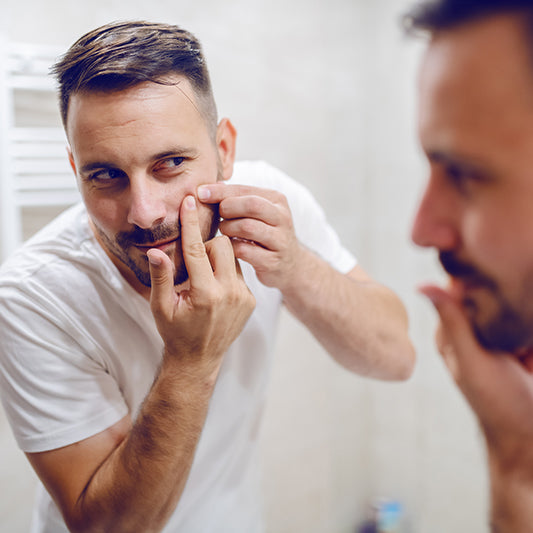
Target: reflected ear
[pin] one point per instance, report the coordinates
(226, 143)
(71, 160)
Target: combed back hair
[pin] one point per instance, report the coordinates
(120, 55)
(431, 16)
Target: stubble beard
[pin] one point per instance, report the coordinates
(124, 242)
(505, 331)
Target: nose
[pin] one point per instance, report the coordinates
(437, 220)
(147, 205)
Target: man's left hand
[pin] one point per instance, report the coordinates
(259, 224)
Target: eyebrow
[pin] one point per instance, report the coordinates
(89, 167)
(460, 160)
(464, 163)
(178, 151)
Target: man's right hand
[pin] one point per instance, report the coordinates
(199, 323)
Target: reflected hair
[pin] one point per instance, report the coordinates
(431, 16)
(120, 55)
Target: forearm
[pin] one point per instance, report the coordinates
(362, 324)
(139, 485)
(512, 493)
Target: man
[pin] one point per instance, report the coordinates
(136, 424)
(476, 129)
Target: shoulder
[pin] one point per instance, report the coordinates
(258, 174)
(57, 263)
(62, 237)
(264, 175)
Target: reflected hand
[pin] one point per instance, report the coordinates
(498, 386)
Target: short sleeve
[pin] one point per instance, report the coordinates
(310, 223)
(53, 392)
(314, 231)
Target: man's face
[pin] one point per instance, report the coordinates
(476, 128)
(137, 153)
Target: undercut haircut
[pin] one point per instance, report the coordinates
(120, 55)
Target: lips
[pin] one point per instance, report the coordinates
(161, 245)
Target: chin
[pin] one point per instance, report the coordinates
(507, 333)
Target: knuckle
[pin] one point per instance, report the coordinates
(286, 218)
(223, 241)
(220, 241)
(223, 208)
(247, 226)
(160, 278)
(160, 316)
(211, 299)
(196, 249)
(279, 198)
(155, 308)
(250, 300)
(254, 205)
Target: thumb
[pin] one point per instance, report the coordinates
(162, 295)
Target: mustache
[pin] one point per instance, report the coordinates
(144, 237)
(463, 270)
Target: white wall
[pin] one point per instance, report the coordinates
(326, 91)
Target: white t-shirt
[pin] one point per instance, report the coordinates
(80, 350)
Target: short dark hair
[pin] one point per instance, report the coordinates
(123, 54)
(436, 15)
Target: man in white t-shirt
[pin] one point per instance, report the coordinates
(133, 363)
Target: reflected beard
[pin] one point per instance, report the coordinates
(506, 331)
(510, 328)
(124, 241)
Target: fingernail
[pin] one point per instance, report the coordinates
(426, 291)
(433, 297)
(203, 192)
(190, 202)
(154, 259)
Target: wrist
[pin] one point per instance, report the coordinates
(190, 374)
(303, 276)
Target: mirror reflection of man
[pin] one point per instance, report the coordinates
(136, 424)
(476, 129)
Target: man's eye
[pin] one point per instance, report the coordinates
(107, 174)
(170, 164)
(459, 176)
(454, 172)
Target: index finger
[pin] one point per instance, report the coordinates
(213, 193)
(456, 328)
(193, 247)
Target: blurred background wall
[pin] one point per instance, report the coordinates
(327, 92)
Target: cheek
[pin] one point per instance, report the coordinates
(501, 244)
(108, 214)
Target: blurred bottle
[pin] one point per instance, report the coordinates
(389, 516)
(384, 516)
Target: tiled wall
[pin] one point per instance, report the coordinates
(326, 91)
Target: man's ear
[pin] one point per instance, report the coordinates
(226, 144)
